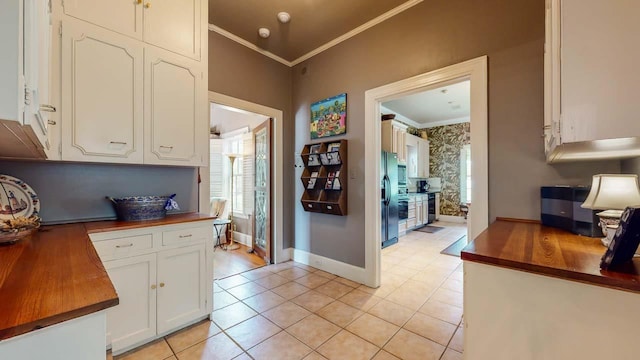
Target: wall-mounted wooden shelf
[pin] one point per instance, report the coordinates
(325, 177)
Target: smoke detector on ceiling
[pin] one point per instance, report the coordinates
(284, 17)
(264, 33)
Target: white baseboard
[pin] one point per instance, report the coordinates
(241, 238)
(238, 237)
(347, 271)
(451, 218)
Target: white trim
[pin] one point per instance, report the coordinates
(459, 120)
(248, 44)
(453, 219)
(347, 271)
(277, 189)
(474, 70)
(369, 24)
(399, 117)
(241, 238)
(417, 125)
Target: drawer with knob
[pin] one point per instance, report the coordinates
(123, 247)
(186, 236)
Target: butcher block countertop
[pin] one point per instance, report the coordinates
(543, 250)
(56, 275)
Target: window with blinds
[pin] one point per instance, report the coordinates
(243, 168)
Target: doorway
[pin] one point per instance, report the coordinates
(475, 71)
(275, 225)
(429, 135)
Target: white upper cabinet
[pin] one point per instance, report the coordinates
(122, 16)
(175, 106)
(25, 63)
(174, 25)
(423, 158)
(102, 87)
(591, 79)
(394, 139)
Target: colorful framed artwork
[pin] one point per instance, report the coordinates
(329, 117)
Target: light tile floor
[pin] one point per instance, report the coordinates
(294, 311)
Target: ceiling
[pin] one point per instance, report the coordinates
(313, 24)
(450, 104)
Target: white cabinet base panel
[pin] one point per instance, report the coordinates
(78, 339)
(511, 314)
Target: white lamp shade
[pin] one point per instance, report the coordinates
(613, 192)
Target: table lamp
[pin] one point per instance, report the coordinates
(232, 246)
(612, 193)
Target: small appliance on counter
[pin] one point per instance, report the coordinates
(560, 208)
(422, 186)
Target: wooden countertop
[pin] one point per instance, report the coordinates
(549, 251)
(113, 225)
(56, 275)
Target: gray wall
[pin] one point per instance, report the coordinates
(631, 166)
(71, 192)
(242, 73)
(430, 36)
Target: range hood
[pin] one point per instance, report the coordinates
(623, 148)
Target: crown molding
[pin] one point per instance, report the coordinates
(248, 44)
(369, 24)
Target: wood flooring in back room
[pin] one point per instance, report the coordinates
(233, 262)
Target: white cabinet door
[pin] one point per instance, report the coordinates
(134, 318)
(102, 86)
(599, 77)
(176, 126)
(411, 154)
(174, 25)
(425, 210)
(122, 16)
(400, 144)
(37, 66)
(423, 158)
(182, 290)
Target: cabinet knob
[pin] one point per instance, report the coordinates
(153, 287)
(147, 5)
(139, 2)
(161, 284)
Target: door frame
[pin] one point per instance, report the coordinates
(474, 70)
(277, 168)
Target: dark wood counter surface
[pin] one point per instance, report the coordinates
(113, 225)
(549, 251)
(56, 275)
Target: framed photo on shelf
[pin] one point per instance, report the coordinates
(329, 117)
(314, 149)
(314, 160)
(333, 147)
(312, 183)
(336, 184)
(625, 241)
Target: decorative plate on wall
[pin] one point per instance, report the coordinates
(17, 198)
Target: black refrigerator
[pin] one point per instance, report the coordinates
(389, 186)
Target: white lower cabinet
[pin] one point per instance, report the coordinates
(181, 286)
(161, 287)
(134, 319)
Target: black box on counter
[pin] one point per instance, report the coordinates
(560, 208)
